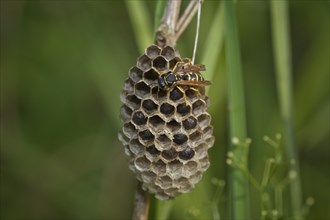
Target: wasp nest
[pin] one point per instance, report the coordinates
(166, 133)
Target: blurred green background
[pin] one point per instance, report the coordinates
(63, 64)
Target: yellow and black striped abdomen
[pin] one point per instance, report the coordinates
(192, 77)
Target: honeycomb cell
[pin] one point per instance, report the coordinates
(190, 168)
(196, 136)
(205, 163)
(168, 52)
(163, 139)
(201, 149)
(148, 176)
(198, 107)
(204, 120)
(186, 154)
(149, 106)
(142, 163)
(173, 62)
(146, 135)
(153, 51)
(128, 86)
(139, 118)
(136, 147)
(189, 123)
(128, 152)
(175, 169)
(159, 167)
(164, 181)
(180, 138)
(192, 94)
(210, 141)
(156, 121)
(142, 90)
(167, 109)
(158, 94)
(125, 113)
(183, 109)
(169, 154)
(133, 102)
(160, 63)
(196, 178)
(151, 76)
(173, 125)
(153, 150)
(135, 74)
(176, 94)
(208, 131)
(123, 138)
(129, 130)
(144, 63)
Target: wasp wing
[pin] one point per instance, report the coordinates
(193, 83)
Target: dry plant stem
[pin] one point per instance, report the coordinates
(166, 31)
(141, 203)
(186, 18)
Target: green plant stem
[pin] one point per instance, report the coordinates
(140, 23)
(282, 55)
(239, 185)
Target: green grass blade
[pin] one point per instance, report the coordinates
(282, 56)
(140, 23)
(214, 43)
(239, 194)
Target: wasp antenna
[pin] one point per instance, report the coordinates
(197, 30)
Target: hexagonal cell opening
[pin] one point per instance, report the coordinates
(196, 178)
(196, 136)
(159, 167)
(169, 154)
(204, 120)
(167, 109)
(151, 77)
(135, 74)
(152, 51)
(168, 52)
(123, 138)
(189, 123)
(190, 168)
(164, 181)
(180, 138)
(149, 106)
(148, 176)
(158, 94)
(129, 130)
(160, 63)
(142, 90)
(144, 62)
(210, 142)
(128, 152)
(208, 131)
(201, 149)
(198, 107)
(164, 140)
(153, 150)
(186, 154)
(173, 62)
(205, 163)
(133, 102)
(173, 125)
(142, 163)
(128, 86)
(183, 109)
(139, 118)
(176, 94)
(156, 121)
(146, 135)
(136, 147)
(192, 94)
(175, 169)
(125, 113)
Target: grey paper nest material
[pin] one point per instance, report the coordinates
(166, 134)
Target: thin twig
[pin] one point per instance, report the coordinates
(165, 34)
(197, 31)
(141, 203)
(186, 18)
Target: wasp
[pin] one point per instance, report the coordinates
(184, 73)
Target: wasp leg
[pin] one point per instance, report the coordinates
(183, 93)
(198, 91)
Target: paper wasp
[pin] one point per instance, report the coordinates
(184, 74)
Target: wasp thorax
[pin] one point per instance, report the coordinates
(166, 128)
